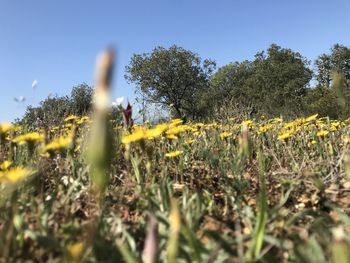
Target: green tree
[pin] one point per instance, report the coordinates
(274, 84)
(81, 99)
(49, 113)
(279, 81)
(333, 101)
(174, 78)
(52, 110)
(228, 95)
(337, 61)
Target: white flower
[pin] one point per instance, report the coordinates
(118, 102)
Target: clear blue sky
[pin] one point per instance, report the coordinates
(56, 42)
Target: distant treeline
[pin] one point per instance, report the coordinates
(278, 82)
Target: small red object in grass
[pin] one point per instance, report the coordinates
(127, 113)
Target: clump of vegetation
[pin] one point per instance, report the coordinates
(239, 190)
(87, 187)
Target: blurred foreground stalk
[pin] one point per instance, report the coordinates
(101, 142)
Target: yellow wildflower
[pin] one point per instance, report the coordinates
(225, 135)
(137, 135)
(15, 175)
(83, 119)
(5, 165)
(311, 118)
(189, 141)
(172, 137)
(265, 128)
(173, 154)
(284, 136)
(156, 132)
(178, 129)
(58, 144)
(175, 122)
(199, 124)
(70, 118)
(29, 138)
(5, 127)
(322, 133)
(247, 123)
(75, 251)
(275, 120)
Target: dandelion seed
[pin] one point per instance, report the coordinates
(34, 84)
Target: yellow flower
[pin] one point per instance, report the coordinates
(15, 175)
(225, 135)
(156, 132)
(189, 141)
(172, 137)
(70, 118)
(58, 144)
(5, 127)
(275, 120)
(313, 142)
(265, 128)
(5, 165)
(75, 251)
(335, 125)
(173, 154)
(175, 122)
(83, 119)
(199, 124)
(178, 129)
(284, 136)
(29, 138)
(77, 149)
(322, 133)
(311, 118)
(137, 135)
(247, 123)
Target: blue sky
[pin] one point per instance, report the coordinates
(56, 42)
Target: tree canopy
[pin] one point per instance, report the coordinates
(174, 77)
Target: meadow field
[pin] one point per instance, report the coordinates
(261, 190)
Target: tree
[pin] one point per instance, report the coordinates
(49, 113)
(279, 81)
(274, 84)
(174, 78)
(81, 99)
(53, 110)
(228, 94)
(337, 61)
